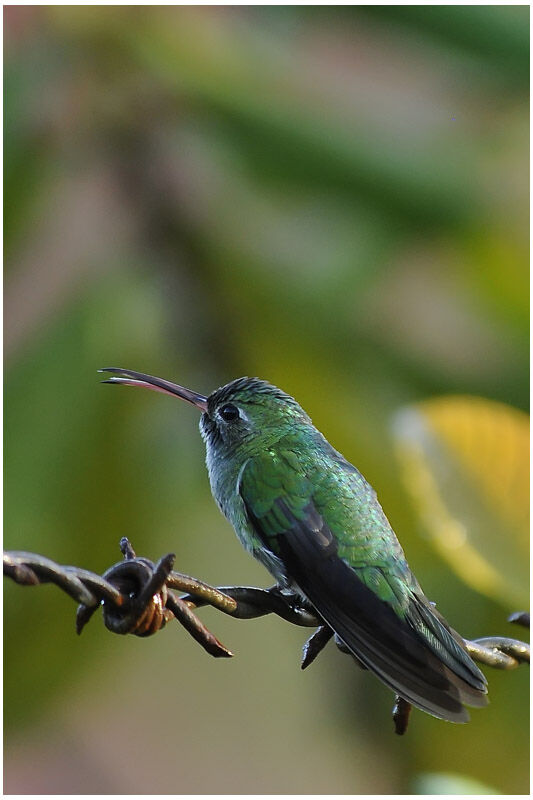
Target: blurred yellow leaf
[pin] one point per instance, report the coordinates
(465, 462)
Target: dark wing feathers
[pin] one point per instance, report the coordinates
(418, 656)
(445, 643)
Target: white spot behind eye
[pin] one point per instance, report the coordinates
(243, 416)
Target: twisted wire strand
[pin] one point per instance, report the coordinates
(139, 596)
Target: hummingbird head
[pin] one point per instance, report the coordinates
(248, 408)
(244, 409)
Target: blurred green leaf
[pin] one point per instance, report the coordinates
(245, 83)
(499, 37)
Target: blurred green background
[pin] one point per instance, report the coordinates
(331, 198)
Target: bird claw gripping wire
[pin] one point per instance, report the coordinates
(139, 596)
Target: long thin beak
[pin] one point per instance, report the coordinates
(128, 377)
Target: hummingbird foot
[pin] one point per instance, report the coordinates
(400, 715)
(315, 644)
(318, 640)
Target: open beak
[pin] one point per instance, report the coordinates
(128, 377)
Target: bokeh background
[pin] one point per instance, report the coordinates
(331, 198)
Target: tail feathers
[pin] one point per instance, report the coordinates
(447, 645)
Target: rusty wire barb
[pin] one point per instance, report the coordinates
(139, 596)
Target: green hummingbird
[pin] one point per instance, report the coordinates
(315, 523)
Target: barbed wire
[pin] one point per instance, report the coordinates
(140, 597)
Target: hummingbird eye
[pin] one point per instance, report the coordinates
(229, 413)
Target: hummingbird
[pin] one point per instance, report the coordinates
(310, 517)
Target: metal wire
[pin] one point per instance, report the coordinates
(139, 596)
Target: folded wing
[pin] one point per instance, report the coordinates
(416, 654)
